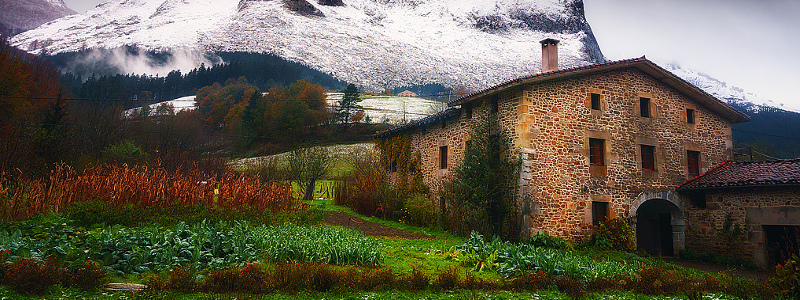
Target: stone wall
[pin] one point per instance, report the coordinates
(551, 124)
(750, 208)
(556, 122)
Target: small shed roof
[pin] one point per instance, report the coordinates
(747, 174)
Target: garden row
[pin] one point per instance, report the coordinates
(202, 245)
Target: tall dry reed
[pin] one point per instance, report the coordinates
(142, 186)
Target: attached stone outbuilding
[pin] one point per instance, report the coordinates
(760, 198)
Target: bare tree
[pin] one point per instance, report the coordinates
(307, 165)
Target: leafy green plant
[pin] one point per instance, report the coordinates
(124, 152)
(613, 234)
(543, 239)
(202, 245)
(787, 277)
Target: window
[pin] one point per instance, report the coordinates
(599, 212)
(690, 116)
(597, 150)
(495, 103)
(644, 107)
(693, 162)
(595, 101)
(468, 110)
(443, 157)
(698, 199)
(648, 158)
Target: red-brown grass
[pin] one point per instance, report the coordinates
(141, 186)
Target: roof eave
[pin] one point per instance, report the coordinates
(643, 64)
(730, 187)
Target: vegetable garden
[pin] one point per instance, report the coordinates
(188, 235)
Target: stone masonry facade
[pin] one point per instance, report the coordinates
(551, 124)
(752, 209)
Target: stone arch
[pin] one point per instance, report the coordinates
(658, 220)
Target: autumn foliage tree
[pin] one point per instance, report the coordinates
(220, 107)
(285, 115)
(29, 88)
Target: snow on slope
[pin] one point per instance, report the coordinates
(375, 43)
(390, 109)
(721, 90)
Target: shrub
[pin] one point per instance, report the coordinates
(448, 279)
(372, 279)
(249, 279)
(613, 234)
(416, 280)
(536, 280)
(30, 276)
(570, 286)
(182, 279)
(420, 210)
(86, 275)
(142, 187)
(543, 239)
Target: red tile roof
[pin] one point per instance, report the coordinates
(747, 174)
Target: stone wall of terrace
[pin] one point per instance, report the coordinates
(752, 209)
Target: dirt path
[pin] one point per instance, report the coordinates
(368, 228)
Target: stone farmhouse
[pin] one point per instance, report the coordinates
(759, 198)
(612, 139)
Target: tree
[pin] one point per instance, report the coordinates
(307, 165)
(349, 104)
(485, 181)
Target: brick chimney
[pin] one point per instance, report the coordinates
(549, 55)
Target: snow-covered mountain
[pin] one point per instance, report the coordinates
(721, 90)
(375, 43)
(21, 15)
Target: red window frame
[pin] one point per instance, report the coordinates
(597, 152)
(648, 157)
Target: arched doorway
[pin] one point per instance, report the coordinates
(658, 222)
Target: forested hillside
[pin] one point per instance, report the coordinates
(98, 79)
(771, 133)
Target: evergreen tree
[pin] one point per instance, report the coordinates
(349, 104)
(485, 181)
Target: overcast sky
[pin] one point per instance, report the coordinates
(752, 44)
